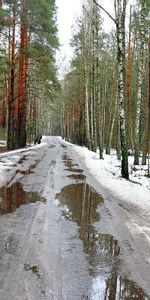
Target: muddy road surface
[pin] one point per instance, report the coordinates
(63, 237)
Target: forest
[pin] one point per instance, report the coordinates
(28, 80)
(102, 102)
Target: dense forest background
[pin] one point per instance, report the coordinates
(104, 99)
(28, 81)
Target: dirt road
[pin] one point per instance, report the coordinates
(63, 237)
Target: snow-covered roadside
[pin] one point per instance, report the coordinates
(108, 173)
(133, 195)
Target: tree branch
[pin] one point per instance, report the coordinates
(87, 12)
(106, 12)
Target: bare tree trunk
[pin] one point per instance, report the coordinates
(22, 82)
(120, 17)
(99, 108)
(129, 79)
(112, 125)
(11, 142)
(86, 79)
(87, 129)
(148, 132)
(120, 11)
(4, 105)
(140, 81)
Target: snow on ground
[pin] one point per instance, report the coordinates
(108, 173)
(9, 161)
(136, 192)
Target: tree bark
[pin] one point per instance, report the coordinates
(120, 11)
(140, 81)
(120, 14)
(148, 132)
(11, 141)
(129, 79)
(22, 81)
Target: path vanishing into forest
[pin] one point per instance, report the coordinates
(68, 239)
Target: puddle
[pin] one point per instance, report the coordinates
(79, 203)
(77, 176)
(25, 172)
(14, 196)
(22, 159)
(34, 268)
(66, 157)
(30, 169)
(74, 170)
(82, 202)
(70, 166)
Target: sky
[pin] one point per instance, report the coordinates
(67, 13)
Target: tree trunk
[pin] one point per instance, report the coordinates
(120, 13)
(87, 127)
(140, 81)
(22, 81)
(129, 79)
(99, 104)
(112, 124)
(86, 80)
(4, 105)
(148, 131)
(11, 141)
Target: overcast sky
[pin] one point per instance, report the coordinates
(67, 12)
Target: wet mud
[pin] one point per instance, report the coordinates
(33, 268)
(70, 166)
(77, 176)
(79, 203)
(14, 196)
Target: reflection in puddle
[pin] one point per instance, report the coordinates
(14, 196)
(82, 201)
(79, 203)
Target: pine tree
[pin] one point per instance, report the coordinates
(35, 50)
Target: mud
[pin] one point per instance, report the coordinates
(70, 165)
(77, 176)
(34, 268)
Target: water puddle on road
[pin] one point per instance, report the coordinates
(70, 166)
(14, 196)
(79, 203)
(77, 176)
